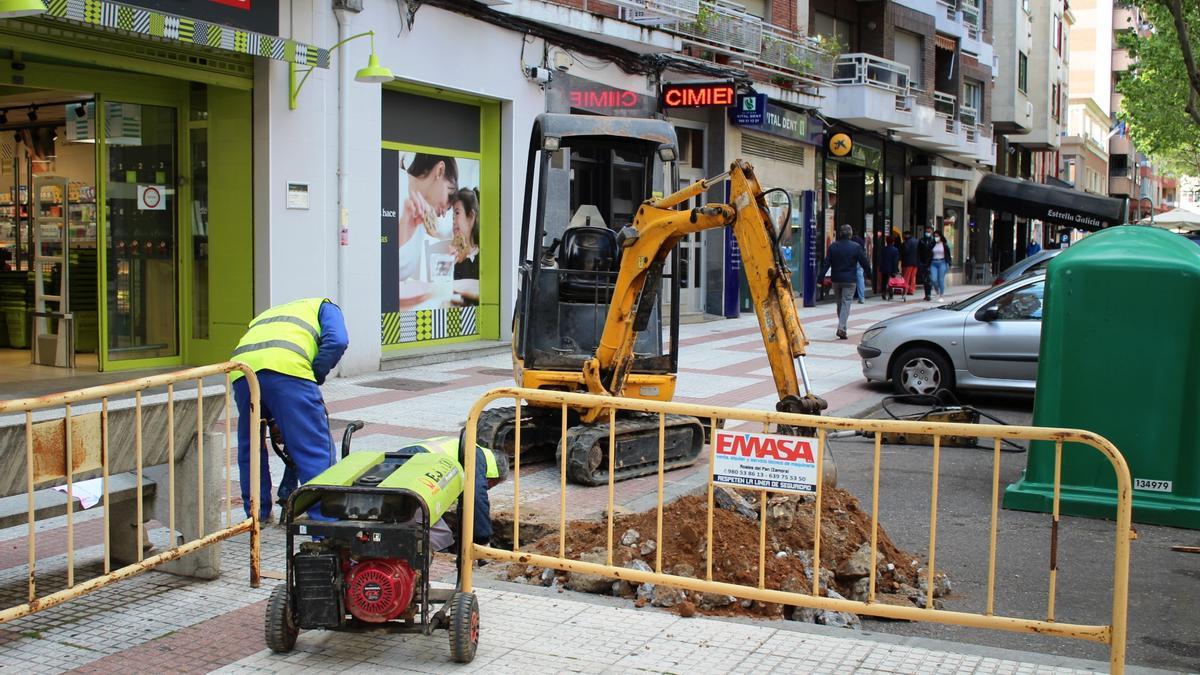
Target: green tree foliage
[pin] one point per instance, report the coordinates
(1162, 90)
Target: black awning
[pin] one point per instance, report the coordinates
(1057, 205)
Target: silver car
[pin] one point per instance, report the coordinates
(988, 341)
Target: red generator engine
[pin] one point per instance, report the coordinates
(379, 589)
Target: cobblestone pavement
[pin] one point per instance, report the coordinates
(157, 622)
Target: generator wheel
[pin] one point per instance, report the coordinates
(280, 629)
(464, 627)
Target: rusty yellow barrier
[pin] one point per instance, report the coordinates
(42, 465)
(1112, 634)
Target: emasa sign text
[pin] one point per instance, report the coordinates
(765, 461)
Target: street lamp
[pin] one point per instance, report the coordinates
(12, 9)
(373, 73)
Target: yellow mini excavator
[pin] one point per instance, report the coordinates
(589, 312)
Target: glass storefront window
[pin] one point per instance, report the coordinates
(198, 135)
(142, 204)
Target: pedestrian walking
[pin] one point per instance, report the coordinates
(843, 259)
(860, 282)
(910, 258)
(925, 260)
(1033, 249)
(940, 264)
(889, 264)
(291, 348)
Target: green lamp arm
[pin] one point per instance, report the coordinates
(294, 87)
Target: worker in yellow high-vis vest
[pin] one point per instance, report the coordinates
(490, 469)
(291, 347)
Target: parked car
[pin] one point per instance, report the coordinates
(1033, 263)
(987, 341)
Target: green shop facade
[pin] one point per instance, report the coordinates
(126, 181)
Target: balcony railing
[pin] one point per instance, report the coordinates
(782, 52)
(723, 28)
(971, 17)
(949, 8)
(943, 104)
(969, 115)
(868, 69)
(658, 12)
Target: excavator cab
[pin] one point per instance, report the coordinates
(598, 235)
(587, 176)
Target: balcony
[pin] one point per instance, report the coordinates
(969, 115)
(782, 53)
(971, 18)
(658, 12)
(723, 29)
(871, 92)
(943, 104)
(1121, 61)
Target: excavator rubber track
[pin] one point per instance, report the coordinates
(636, 449)
(587, 456)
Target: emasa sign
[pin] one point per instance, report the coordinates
(765, 461)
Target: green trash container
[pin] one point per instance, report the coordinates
(1120, 356)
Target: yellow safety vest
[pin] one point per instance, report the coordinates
(448, 445)
(283, 339)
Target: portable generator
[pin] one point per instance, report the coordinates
(367, 567)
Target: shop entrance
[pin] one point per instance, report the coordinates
(106, 232)
(71, 164)
(49, 266)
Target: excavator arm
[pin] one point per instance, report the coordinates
(655, 231)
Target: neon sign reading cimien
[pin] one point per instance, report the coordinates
(697, 95)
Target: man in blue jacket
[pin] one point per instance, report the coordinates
(291, 348)
(843, 260)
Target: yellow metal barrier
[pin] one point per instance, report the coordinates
(42, 464)
(1112, 634)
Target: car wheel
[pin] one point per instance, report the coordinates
(921, 370)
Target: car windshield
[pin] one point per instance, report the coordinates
(963, 304)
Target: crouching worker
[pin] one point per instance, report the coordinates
(490, 470)
(291, 348)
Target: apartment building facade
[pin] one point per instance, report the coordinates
(1033, 46)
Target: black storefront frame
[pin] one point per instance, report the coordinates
(891, 156)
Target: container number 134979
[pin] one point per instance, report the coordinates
(1153, 485)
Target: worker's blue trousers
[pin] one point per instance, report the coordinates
(299, 412)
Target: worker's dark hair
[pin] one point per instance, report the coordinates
(422, 164)
(469, 198)
(844, 231)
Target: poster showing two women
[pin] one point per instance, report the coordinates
(430, 244)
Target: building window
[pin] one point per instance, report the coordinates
(972, 103)
(1054, 102)
(1069, 171)
(910, 50)
(1058, 33)
(830, 26)
(1025, 5)
(1022, 73)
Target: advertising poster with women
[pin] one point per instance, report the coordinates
(429, 233)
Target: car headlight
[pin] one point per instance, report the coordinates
(872, 333)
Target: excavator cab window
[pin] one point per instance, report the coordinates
(580, 192)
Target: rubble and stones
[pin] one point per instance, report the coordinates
(845, 555)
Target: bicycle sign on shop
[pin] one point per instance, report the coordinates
(765, 461)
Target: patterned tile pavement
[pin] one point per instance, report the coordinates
(157, 622)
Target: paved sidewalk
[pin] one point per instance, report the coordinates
(543, 632)
(158, 622)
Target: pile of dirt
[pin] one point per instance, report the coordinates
(845, 552)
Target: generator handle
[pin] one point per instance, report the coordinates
(350, 429)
